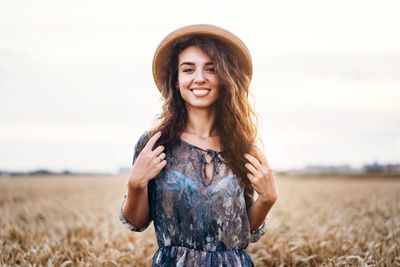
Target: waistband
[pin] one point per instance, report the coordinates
(184, 256)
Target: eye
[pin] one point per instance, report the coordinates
(188, 70)
(211, 70)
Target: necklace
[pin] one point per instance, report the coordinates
(202, 137)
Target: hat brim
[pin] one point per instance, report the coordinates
(164, 49)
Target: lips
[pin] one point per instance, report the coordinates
(200, 91)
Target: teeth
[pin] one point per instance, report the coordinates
(200, 92)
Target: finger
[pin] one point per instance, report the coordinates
(252, 170)
(158, 150)
(158, 168)
(261, 155)
(161, 164)
(159, 158)
(156, 161)
(150, 144)
(251, 177)
(254, 161)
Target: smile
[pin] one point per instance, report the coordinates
(200, 91)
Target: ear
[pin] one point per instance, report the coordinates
(176, 85)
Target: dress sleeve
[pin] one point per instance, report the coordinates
(138, 148)
(258, 233)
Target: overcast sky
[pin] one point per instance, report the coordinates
(76, 88)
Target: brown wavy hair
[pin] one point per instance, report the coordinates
(235, 118)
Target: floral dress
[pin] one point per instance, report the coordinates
(197, 224)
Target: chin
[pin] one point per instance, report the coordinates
(201, 105)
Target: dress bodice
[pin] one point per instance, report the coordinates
(207, 221)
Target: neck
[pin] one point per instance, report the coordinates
(201, 121)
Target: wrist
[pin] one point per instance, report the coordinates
(137, 184)
(266, 201)
(136, 180)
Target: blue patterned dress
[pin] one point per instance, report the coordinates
(197, 224)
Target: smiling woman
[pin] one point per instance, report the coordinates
(194, 174)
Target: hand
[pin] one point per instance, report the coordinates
(148, 164)
(262, 177)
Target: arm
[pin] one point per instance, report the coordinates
(257, 213)
(136, 206)
(263, 180)
(135, 209)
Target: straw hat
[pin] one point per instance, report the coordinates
(164, 49)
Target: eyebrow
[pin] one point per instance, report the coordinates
(192, 64)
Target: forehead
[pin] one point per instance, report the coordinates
(193, 54)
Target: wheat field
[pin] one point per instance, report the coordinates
(73, 221)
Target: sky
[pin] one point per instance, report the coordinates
(76, 87)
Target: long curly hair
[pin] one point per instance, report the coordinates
(236, 121)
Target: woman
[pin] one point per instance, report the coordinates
(195, 173)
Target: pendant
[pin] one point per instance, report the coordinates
(203, 138)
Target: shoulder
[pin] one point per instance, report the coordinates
(142, 141)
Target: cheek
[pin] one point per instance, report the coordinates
(183, 82)
(217, 85)
(215, 81)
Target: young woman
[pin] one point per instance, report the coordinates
(194, 174)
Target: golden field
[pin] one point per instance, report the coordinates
(73, 221)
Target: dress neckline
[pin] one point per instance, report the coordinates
(199, 148)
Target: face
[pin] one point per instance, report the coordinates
(197, 81)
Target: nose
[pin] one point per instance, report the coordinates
(199, 77)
